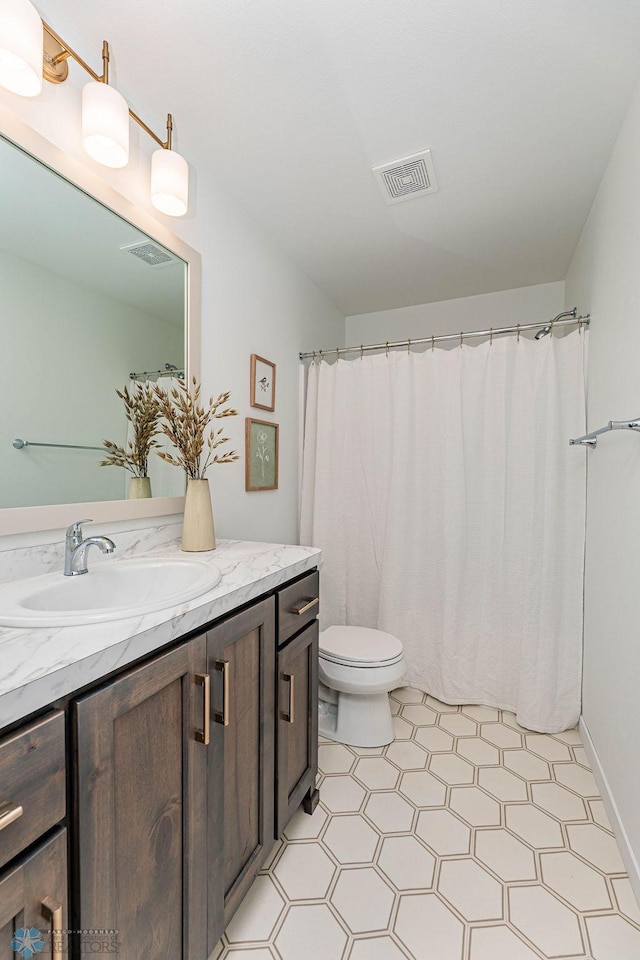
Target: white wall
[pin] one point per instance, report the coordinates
(254, 300)
(80, 345)
(604, 278)
(507, 307)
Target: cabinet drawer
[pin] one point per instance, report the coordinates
(33, 893)
(297, 605)
(32, 783)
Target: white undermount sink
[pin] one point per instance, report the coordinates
(111, 590)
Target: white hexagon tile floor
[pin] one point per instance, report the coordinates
(467, 838)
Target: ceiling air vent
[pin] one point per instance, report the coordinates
(150, 254)
(407, 178)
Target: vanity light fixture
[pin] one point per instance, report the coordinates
(169, 178)
(105, 119)
(20, 48)
(30, 49)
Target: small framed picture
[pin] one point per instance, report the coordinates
(263, 383)
(261, 455)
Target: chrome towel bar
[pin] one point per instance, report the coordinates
(21, 444)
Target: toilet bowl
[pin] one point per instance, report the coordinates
(358, 667)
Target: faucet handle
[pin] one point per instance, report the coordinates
(74, 532)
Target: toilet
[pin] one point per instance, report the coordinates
(358, 667)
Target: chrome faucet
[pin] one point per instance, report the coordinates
(75, 549)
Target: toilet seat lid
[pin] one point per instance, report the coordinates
(359, 645)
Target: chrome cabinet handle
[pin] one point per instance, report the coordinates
(222, 716)
(303, 606)
(9, 812)
(290, 716)
(52, 912)
(204, 735)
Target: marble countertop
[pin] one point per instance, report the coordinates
(39, 666)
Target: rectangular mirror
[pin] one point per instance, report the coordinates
(94, 296)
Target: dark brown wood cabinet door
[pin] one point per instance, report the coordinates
(297, 723)
(33, 901)
(241, 653)
(141, 807)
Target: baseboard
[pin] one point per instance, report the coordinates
(626, 851)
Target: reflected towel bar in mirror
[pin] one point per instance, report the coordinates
(591, 439)
(20, 444)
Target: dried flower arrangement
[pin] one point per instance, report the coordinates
(185, 421)
(141, 409)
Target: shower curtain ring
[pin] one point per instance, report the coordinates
(433, 343)
(461, 336)
(490, 336)
(408, 345)
(387, 348)
(580, 326)
(361, 351)
(518, 336)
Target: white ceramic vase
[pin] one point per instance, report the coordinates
(197, 528)
(139, 488)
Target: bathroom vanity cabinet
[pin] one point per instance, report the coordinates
(139, 785)
(182, 770)
(33, 894)
(297, 699)
(33, 872)
(241, 664)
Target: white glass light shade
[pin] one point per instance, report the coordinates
(21, 42)
(105, 124)
(169, 182)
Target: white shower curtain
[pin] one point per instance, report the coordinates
(450, 510)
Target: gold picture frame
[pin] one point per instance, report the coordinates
(261, 455)
(263, 383)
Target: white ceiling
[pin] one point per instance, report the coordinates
(289, 103)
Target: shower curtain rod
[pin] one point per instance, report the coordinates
(169, 370)
(562, 320)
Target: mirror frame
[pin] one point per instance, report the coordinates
(17, 520)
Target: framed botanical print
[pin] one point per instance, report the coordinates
(261, 455)
(263, 383)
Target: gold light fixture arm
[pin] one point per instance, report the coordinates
(55, 69)
(57, 51)
(165, 144)
(105, 62)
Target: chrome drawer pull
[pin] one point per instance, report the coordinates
(222, 716)
(8, 813)
(303, 606)
(204, 735)
(290, 717)
(52, 912)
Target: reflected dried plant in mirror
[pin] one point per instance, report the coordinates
(141, 409)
